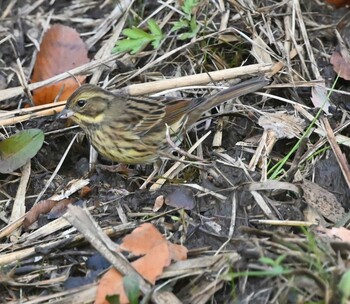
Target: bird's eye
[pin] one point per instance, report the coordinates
(81, 103)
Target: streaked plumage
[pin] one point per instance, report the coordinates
(132, 130)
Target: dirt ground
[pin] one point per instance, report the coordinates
(256, 232)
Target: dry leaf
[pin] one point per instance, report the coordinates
(322, 200)
(44, 207)
(105, 287)
(339, 3)
(158, 203)
(260, 51)
(339, 233)
(60, 208)
(151, 265)
(319, 97)
(181, 198)
(61, 50)
(276, 126)
(282, 124)
(341, 65)
(142, 239)
(158, 253)
(177, 252)
(85, 191)
(72, 186)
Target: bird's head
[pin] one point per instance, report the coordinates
(87, 105)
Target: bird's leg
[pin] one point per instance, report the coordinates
(176, 148)
(118, 168)
(92, 158)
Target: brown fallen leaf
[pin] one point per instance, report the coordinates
(341, 65)
(157, 254)
(85, 191)
(60, 208)
(142, 239)
(339, 3)
(105, 287)
(276, 126)
(60, 50)
(158, 203)
(177, 252)
(340, 233)
(44, 207)
(151, 265)
(322, 200)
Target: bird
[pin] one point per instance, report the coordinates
(132, 130)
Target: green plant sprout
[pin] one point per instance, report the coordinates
(188, 21)
(277, 169)
(344, 287)
(276, 269)
(132, 287)
(138, 39)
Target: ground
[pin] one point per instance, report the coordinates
(256, 220)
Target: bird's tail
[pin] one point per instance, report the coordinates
(242, 88)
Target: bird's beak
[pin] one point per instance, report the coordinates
(65, 114)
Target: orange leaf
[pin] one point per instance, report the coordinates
(110, 284)
(339, 3)
(85, 191)
(142, 239)
(61, 50)
(158, 253)
(151, 265)
(178, 252)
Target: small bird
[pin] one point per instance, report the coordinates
(132, 130)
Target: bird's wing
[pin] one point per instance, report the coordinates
(152, 114)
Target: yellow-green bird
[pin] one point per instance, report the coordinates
(132, 130)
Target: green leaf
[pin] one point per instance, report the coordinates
(267, 261)
(344, 285)
(131, 286)
(183, 23)
(155, 43)
(113, 299)
(276, 270)
(16, 150)
(138, 39)
(189, 5)
(136, 33)
(280, 259)
(194, 25)
(130, 45)
(154, 28)
(187, 35)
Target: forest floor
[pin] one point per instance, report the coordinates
(264, 216)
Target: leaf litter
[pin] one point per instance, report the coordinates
(61, 49)
(225, 228)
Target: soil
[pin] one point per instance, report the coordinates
(208, 223)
